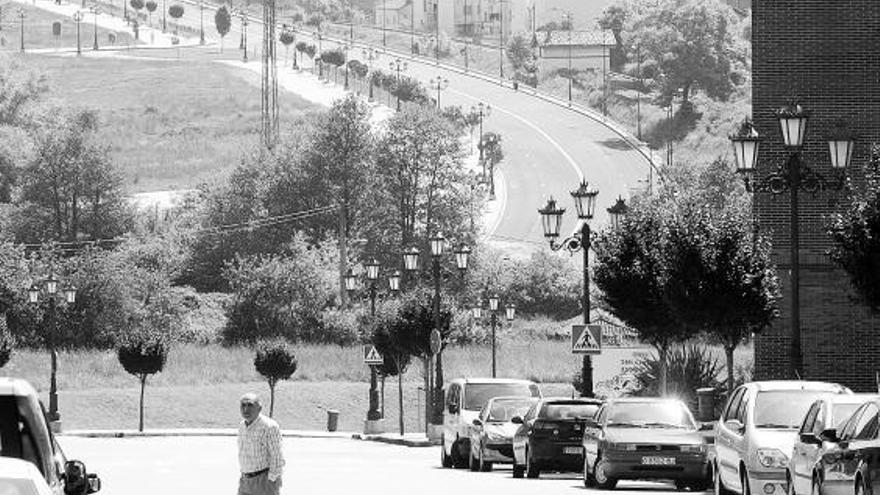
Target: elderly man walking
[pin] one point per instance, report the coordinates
(259, 450)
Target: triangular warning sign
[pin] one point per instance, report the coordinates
(585, 339)
(372, 356)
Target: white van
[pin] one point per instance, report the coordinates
(465, 397)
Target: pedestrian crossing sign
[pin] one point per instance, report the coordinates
(372, 356)
(586, 339)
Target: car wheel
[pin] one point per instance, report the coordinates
(532, 470)
(484, 466)
(789, 484)
(744, 481)
(472, 462)
(458, 461)
(445, 460)
(589, 480)
(518, 470)
(861, 489)
(600, 472)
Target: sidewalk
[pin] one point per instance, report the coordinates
(408, 440)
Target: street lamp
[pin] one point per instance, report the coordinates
(439, 84)
(397, 65)
(21, 16)
(551, 219)
(384, 16)
(77, 18)
(65, 297)
(494, 306)
(370, 55)
(482, 110)
(792, 176)
(201, 22)
(244, 25)
(94, 10)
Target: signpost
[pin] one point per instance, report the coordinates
(372, 356)
(586, 339)
(436, 341)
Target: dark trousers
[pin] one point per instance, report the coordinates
(258, 485)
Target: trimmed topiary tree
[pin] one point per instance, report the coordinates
(222, 21)
(143, 355)
(274, 361)
(176, 12)
(151, 6)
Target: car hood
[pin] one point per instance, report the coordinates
(773, 438)
(468, 417)
(653, 435)
(496, 430)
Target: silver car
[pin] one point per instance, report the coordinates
(756, 433)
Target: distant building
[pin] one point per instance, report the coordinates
(588, 50)
(458, 18)
(393, 14)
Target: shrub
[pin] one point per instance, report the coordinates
(274, 361)
(7, 343)
(335, 57)
(176, 11)
(286, 38)
(142, 355)
(689, 367)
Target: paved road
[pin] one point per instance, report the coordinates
(203, 465)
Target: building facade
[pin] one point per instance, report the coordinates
(583, 50)
(826, 54)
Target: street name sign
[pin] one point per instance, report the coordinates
(436, 341)
(372, 356)
(586, 339)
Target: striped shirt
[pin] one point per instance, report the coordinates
(259, 447)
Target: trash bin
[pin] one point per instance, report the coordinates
(332, 419)
(516, 85)
(705, 404)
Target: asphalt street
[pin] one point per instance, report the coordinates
(315, 466)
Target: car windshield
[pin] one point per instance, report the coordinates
(11, 486)
(783, 408)
(651, 414)
(841, 413)
(476, 395)
(505, 409)
(568, 410)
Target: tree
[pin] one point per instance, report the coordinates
(492, 156)
(222, 21)
(274, 361)
(137, 5)
(70, 190)
(287, 37)
(613, 19)
(151, 7)
(143, 354)
(685, 45)
(523, 59)
(7, 342)
(176, 12)
(855, 235)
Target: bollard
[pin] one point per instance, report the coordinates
(332, 419)
(705, 404)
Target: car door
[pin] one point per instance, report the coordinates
(726, 456)
(834, 481)
(521, 437)
(450, 416)
(857, 455)
(803, 455)
(477, 430)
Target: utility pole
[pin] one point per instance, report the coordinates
(21, 16)
(269, 73)
(95, 11)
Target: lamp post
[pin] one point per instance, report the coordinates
(412, 27)
(639, 92)
(397, 65)
(244, 25)
(439, 84)
(509, 311)
(77, 18)
(95, 11)
(164, 14)
(21, 16)
(384, 16)
(551, 219)
(792, 176)
(201, 22)
(482, 110)
(370, 55)
(66, 297)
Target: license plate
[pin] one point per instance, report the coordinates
(571, 450)
(658, 461)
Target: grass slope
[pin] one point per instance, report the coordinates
(168, 124)
(38, 30)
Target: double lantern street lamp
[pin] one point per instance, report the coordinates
(372, 276)
(792, 176)
(66, 297)
(494, 305)
(551, 220)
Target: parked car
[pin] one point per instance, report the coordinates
(25, 435)
(808, 454)
(549, 436)
(492, 435)
(851, 464)
(18, 477)
(644, 438)
(465, 397)
(755, 434)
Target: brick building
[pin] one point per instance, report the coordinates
(828, 55)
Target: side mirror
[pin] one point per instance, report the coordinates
(94, 483)
(477, 422)
(77, 481)
(828, 435)
(735, 425)
(516, 420)
(810, 438)
(453, 408)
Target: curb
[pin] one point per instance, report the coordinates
(396, 440)
(223, 432)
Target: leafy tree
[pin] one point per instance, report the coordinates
(176, 12)
(137, 5)
(274, 361)
(686, 45)
(523, 58)
(223, 22)
(151, 6)
(855, 233)
(492, 156)
(7, 342)
(335, 57)
(143, 354)
(287, 37)
(70, 190)
(613, 19)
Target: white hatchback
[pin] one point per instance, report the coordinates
(18, 477)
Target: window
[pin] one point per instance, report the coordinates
(810, 419)
(780, 409)
(866, 428)
(847, 429)
(733, 404)
(477, 394)
(741, 411)
(452, 396)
